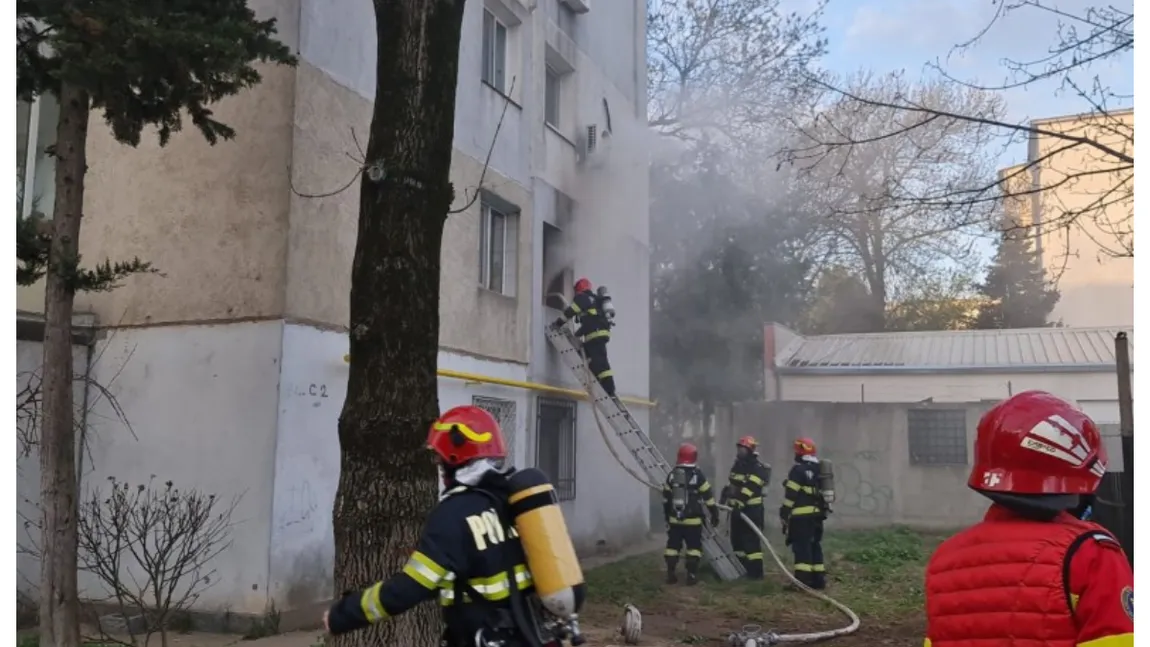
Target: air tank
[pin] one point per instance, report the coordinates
(605, 297)
(543, 532)
(827, 480)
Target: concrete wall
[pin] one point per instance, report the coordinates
(875, 483)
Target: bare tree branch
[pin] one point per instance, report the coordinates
(1078, 174)
(862, 161)
(726, 69)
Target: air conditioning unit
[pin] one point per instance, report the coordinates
(594, 145)
(578, 6)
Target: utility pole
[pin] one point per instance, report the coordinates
(1126, 429)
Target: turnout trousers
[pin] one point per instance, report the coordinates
(805, 535)
(746, 544)
(687, 541)
(596, 352)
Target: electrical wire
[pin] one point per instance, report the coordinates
(770, 638)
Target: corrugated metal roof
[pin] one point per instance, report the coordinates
(1022, 348)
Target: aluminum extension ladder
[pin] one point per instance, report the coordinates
(716, 550)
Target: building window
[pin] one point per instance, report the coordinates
(35, 165)
(555, 444)
(498, 239)
(494, 52)
(937, 436)
(504, 413)
(551, 96)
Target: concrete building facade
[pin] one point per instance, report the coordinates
(898, 412)
(1079, 203)
(230, 365)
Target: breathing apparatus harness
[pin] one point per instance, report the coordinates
(527, 622)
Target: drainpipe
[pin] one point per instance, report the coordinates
(1126, 429)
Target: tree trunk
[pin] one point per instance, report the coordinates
(59, 608)
(387, 481)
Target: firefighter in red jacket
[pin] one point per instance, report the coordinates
(1033, 571)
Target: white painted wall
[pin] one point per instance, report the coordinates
(29, 359)
(312, 388)
(202, 403)
(945, 387)
(1095, 393)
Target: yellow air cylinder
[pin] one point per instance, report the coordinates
(538, 520)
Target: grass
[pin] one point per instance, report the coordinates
(877, 573)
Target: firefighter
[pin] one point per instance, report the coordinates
(802, 514)
(470, 554)
(685, 494)
(595, 314)
(1033, 571)
(744, 493)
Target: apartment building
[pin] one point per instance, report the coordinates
(230, 365)
(1084, 253)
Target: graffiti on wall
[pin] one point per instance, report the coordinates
(855, 492)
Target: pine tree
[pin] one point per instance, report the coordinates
(140, 63)
(1015, 289)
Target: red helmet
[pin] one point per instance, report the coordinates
(687, 455)
(747, 441)
(1037, 443)
(464, 434)
(582, 285)
(804, 447)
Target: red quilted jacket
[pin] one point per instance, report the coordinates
(1001, 583)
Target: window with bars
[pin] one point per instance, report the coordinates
(504, 413)
(937, 436)
(555, 444)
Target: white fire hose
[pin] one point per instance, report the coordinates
(750, 635)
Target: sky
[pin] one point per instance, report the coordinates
(888, 35)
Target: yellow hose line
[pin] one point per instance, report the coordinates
(521, 384)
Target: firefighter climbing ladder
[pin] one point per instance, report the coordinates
(635, 439)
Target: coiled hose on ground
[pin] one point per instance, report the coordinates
(750, 635)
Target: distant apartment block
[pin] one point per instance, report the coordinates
(1084, 253)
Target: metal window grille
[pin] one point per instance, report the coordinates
(937, 436)
(555, 444)
(504, 413)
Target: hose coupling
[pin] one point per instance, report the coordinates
(753, 636)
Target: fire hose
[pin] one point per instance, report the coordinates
(750, 635)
